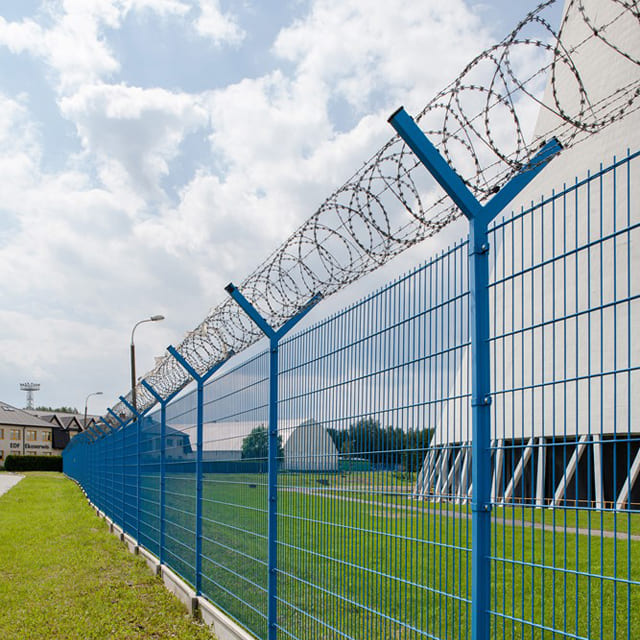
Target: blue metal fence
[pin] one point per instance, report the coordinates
(355, 512)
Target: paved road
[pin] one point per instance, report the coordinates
(8, 480)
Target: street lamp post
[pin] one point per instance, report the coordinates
(133, 358)
(96, 393)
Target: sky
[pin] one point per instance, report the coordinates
(151, 151)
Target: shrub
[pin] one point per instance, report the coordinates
(33, 463)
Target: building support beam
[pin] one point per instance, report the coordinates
(570, 470)
(518, 471)
(542, 469)
(497, 470)
(625, 493)
(597, 471)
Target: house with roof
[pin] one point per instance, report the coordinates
(64, 426)
(24, 434)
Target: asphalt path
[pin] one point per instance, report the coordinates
(8, 480)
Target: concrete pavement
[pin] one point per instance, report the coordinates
(8, 480)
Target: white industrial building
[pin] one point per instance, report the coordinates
(565, 401)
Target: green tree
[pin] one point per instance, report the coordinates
(256, 444)
(57, 409)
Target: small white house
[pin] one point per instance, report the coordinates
(309, 447)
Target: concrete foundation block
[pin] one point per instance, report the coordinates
(152, 562)
(180, 589)
(131, 543)
(223, 626)
(116, 530)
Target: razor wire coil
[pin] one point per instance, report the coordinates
(385, 207)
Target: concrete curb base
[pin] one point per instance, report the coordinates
(152, 562)
(223, 626)
(180, 589)
(198, 606)
(131, 543)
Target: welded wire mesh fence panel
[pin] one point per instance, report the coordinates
(150, 483)
(363, 397)
(234, 510)
(565, 378)
(180, 487)
(116, 451)
(130, 478)
(374, 457)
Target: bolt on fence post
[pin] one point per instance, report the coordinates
(479, 217)
(200, 380)
(272, 466)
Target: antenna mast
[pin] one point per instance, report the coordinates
(29, 387)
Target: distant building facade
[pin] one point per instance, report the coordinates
(24, 434)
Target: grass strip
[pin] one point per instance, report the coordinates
(63, 576)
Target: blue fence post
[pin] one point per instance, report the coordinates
(122, 426)
(163, 433)
(272, 469)
(479, 217)
(102, 477)
(200, 380)
(139, 417)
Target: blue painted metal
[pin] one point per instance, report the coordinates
(163, 453)
(479, 217)
(274, 337)
(138, 422)
(380, 544)
(117, 417)
(200, 380)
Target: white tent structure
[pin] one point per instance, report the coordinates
(309, 447)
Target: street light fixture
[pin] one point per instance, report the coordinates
(133, 358)
(96, 393)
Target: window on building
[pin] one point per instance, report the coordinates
(1, 434)
(15, 434)
(31, 435)
(46, 436)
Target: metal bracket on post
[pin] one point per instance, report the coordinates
(100, 429)
(479, 217)
(117, 417)
(107, 424)
(272, 468)
(200, 380)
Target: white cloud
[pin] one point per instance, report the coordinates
(133, 133)
(220, 27)
(26, 36)
(74, 46)
(382, 51)
(95, 243)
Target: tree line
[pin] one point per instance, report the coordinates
(387, 446)
(366, 439)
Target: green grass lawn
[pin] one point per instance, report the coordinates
(63, 576)
(355, 562)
